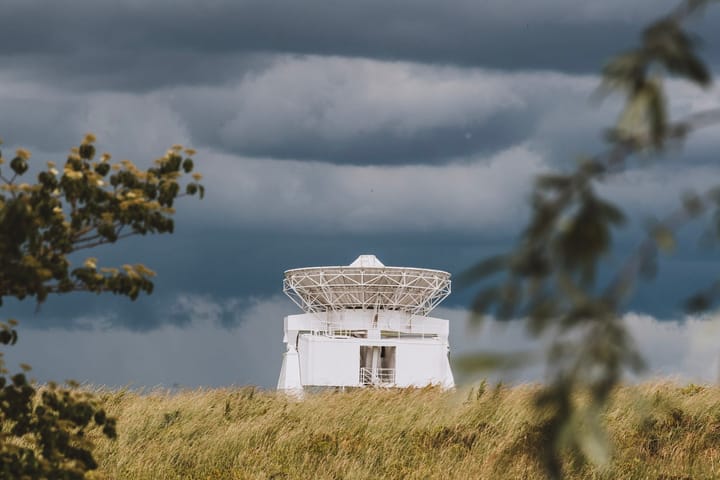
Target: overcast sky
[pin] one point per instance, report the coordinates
(410, 129)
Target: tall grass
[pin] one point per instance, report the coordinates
(661, 431)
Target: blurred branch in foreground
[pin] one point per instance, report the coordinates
(550, 277)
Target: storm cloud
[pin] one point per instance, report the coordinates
(553, 34)
(411, 129)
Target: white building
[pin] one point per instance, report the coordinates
(365, 324)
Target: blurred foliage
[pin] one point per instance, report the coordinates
(550, 276)
(89, 202)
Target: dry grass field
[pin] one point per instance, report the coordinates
(661, 431)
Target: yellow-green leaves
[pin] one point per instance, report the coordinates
(591, 438)
(644, 119)
(23, 154)
(665, 49)
(19, 165)
(81, 205)
(664, 238)
(8, 335)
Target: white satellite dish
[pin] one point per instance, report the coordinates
(365, 324)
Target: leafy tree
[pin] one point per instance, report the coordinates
(87, 203)
(550, 276)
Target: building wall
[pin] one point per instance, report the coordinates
(326, 361)
(420, 364)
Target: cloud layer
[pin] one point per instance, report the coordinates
(681, 349)
(411, 129)
(94, 44)
(204, 352)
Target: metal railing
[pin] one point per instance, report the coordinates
(378, 377)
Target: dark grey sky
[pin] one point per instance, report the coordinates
(408, 129)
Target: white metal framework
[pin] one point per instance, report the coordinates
(377, 377)
(367, 284)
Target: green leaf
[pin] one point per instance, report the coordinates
(19, 165)
(693, 204)
(698, 303)
(664, 238)
(86, 151)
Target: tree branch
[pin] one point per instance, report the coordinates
(103, 242)
(614, 158)
(625, 278)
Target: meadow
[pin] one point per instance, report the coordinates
(660, 431)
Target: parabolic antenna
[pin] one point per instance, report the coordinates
(366, 284)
